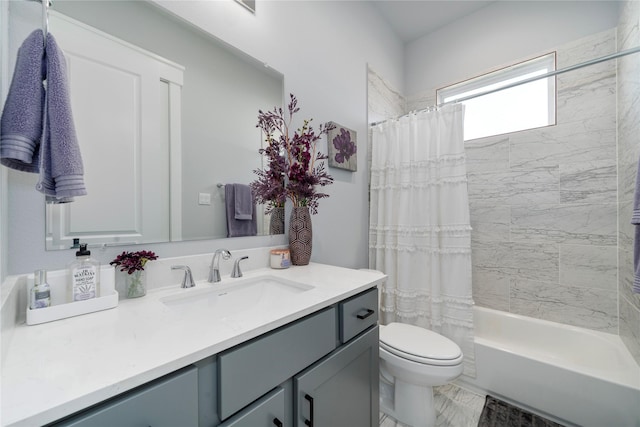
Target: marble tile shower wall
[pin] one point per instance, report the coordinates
(628, 151)
(383, 101)
(544, 203)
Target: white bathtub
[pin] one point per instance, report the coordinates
(572, 375)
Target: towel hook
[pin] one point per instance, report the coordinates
(45, 19)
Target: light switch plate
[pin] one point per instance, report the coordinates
(204, 198)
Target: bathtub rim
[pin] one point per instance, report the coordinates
(631, 367)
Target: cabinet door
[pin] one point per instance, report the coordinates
(266, 412)
(169, 402)
(342, 389)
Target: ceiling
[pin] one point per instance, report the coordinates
(412, 19)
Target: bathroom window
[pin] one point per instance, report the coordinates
(526, 106)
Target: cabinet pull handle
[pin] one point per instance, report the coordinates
(277, 422)
(368, 312)
(309, 422)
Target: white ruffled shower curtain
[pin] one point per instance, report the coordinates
(420, 233)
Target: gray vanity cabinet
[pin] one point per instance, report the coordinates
(321, 370)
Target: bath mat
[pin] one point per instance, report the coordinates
(497, 413)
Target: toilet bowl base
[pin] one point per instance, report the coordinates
(412, 404)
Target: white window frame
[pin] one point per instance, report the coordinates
(503, 77)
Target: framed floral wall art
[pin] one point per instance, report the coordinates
(342, 147)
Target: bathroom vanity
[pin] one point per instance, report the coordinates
(305, 339)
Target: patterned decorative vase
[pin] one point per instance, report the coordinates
(300, 236)
(276, 222)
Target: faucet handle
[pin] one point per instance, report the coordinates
(236, 267)
(187, 279)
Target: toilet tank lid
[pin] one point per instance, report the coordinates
(417, 341)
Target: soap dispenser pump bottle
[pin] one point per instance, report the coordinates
(85, 276)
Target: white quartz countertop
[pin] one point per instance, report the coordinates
(54, 369)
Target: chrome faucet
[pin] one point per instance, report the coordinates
(187, 279)
(236, 267)
(214, 268)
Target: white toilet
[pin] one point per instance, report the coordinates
(412, 361)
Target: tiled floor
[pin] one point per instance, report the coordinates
(455, 407)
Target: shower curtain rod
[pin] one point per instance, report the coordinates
(533, 79)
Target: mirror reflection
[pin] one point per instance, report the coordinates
(166, 120)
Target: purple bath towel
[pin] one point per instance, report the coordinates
(635, 220)
(21, 123)
(243, 202)
(61, 169)
(236, 227)
(37, 133)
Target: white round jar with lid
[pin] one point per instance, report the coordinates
(280, 258)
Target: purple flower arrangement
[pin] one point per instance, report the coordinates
(269, 188)
(295, 167)
(133, 261)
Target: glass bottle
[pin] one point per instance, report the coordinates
(40, 296)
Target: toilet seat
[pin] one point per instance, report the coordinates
(419, 345)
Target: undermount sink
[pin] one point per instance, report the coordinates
(235, 296)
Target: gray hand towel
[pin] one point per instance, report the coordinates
(21, 123)
(243, 202)
(61, 169)
(238, 228)
(635, 220)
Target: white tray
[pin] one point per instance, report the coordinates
(60, 309)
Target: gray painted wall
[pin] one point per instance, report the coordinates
(4, 87)
(498, 35)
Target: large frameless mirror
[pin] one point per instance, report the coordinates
(165, 115)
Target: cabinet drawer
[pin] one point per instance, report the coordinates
(358, 313)
(267, 412)
(250, 370)
(171, 401)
